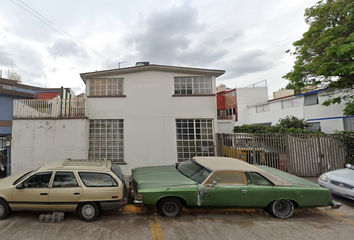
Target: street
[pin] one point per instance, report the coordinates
(137, 223)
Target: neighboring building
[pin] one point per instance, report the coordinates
(135, 116)
(227, 105)
(306, 106)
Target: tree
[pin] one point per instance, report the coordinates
(324, 55)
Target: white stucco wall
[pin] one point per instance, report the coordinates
(246, 97)
(149, 111)
(38, 141)
(330, 118)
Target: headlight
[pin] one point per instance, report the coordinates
(324, 178)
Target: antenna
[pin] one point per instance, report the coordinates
(120, 63)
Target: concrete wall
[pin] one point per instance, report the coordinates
(330, 118)
(149, 111)
(246, 97)
(38, 141)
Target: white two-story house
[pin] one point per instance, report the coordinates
(137, 116)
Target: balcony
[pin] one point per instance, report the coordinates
(49, 108)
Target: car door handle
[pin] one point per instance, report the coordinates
(244, 191)
(43, 194)
(76, 193)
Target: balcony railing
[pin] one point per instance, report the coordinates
(49, 108)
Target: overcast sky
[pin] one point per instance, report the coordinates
(51, 42)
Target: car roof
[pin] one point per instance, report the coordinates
(225, 164)
(233, 164)
(77, 164)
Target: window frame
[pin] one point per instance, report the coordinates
(193, 136)
(209, 180)
(111, 88)
(105, 141)
(310, 100)
(55, 174)
(193, 85)
(101, 173)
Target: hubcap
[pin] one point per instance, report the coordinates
(1, 210)
(282, 208)
(88, 211)
(170, 209)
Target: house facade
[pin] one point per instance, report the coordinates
(306, 106)
(136, 116)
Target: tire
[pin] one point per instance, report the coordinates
(281, 208)
(170, 207)
(88, 211)
(4, 209)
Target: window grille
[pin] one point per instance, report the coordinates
(192, 85)
(106, 140)
(194, 138)
(106, 87)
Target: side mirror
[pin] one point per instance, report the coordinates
(214, 183)
(20, 186)
(348, 165)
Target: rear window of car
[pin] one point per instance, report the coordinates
(93, 179)
(117, 171)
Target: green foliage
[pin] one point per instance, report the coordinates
(350, 143)
(289, 124)
(324, 55)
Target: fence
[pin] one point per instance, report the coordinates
(299, 154)
(49, 108)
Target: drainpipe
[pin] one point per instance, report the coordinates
(61, 101)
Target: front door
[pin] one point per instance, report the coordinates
(224, 189)
(33, 193)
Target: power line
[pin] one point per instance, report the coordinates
(56, 29)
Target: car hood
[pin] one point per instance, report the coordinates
(159, 177)
(343, 175)
(8, 181)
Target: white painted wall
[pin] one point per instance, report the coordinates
(246, 97)
(38, 141)
(329, 117)
(149, 111)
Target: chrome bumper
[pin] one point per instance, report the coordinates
(336, 205)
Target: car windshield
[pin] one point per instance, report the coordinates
(22, 177)
(193, 170)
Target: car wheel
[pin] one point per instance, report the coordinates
(281, 208)
(4, 209)
(88, 211)
(170, 207)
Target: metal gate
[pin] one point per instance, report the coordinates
(299, 154)
(3, 157)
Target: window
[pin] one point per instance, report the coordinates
(194, 138)
(39, 180)
(192, 85)
(257, 179)
(314, 126)
(311, 99)
(291, 103)
(233, 111)
(106, 140)
(91, 179)
(263, 108)
(227, 178)
(65, 179)
(106, 87)
(233, 93)
(218, 113)
(348, 124)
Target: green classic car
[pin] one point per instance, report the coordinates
(224, 183)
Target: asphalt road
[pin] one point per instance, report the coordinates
(137, 223)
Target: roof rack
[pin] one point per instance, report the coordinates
(85, 162)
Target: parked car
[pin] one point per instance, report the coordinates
(225, 183)
(84, 186)
(339, 182)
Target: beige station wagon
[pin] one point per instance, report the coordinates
(84, 186)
